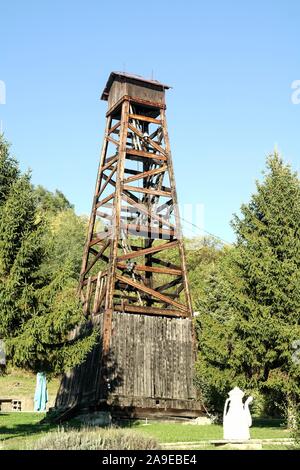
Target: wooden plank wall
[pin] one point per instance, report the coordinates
(82, 384)
(121, 87)
(151, 358)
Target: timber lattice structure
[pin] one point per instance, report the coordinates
(133, 282)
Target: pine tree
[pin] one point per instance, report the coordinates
(38, 306)
(253, 312)
(8, 170)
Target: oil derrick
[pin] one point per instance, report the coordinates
(133, 282)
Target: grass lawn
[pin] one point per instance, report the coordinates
(177, 432)
(18, 430)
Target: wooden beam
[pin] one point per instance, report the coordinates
(94, 278)
(152, 269)
(130, 196)
(167, 264)
(129, 171)
(87, 296)
(147, 251)
(113, 128)
(130, 209)
(152, 104)
(103, 293)
(115, 109)
(113, 141)
(152, 292)
(154, 133)
(139, 117)
(176, 213)
(105, 258)
(103, 201)
(154, 192)
(172, 283)
(93, 212)
(116, 106)
(146, 229)
(123, 208)
(97, 292)
(147, 139)
(150, 310)
(143, 154)
(104, 215)
(109, 161)
(107, 318)
(100, 236)
(145, 174)
(107, 178)
(97, 256)
(145, 210)
(119, 294)
(164, 205)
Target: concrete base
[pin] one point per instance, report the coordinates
(200, 421)
(100, 418)
(238, 445)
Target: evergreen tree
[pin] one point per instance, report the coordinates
(9, 170)
(38, 306)
(51, 203)
(253, 312)
(203, 254)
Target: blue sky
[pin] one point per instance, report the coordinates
(230, 63)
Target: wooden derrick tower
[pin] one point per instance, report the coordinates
(133, 282)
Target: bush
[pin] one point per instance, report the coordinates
(296, 430)
(94, 439)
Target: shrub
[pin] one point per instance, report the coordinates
(296, 430)
(94, 439)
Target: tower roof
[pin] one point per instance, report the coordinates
(127, 77)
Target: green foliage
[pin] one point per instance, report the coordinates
(95, 439)
(251, 312)
(202, 256)
(9, 170)
(39, 262)
(296, 429)
(66, 240)
(42, 341)
(51, 203)
(215, 374)
(21, 249)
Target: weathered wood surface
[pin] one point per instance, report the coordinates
(151, 360)
(128, 286)
(124, 86)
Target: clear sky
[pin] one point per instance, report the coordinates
(231, 64)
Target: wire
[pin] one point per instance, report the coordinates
(208, 233)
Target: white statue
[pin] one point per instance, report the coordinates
(237, 419)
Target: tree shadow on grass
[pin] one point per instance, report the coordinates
(13, 430)
(16, 430)
(268, 423)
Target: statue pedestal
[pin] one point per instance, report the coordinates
(252, 444)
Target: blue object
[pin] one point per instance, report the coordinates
(41, 393)
(2, 353)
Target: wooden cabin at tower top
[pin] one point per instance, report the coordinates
(121, 85)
